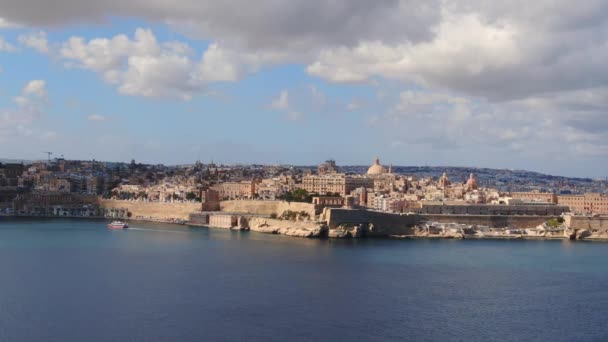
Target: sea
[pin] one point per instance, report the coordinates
(76, 280)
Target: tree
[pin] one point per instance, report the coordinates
(190, 196)
(297, 195)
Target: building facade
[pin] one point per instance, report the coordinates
(589, 203)
(335, 183)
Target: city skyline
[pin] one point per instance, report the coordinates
(440, 83)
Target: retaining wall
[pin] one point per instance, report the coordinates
(266, 207)
(492, 221)
(154, 209)
(586, 222)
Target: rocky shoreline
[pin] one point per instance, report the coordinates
(311, 229)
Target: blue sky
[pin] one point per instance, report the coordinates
(465, 86)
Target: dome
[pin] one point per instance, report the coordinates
(472, 182)
(444, 181)
(376, 169)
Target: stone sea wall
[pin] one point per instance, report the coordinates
(153, 210)
(586, 222)
(373, 222)
(290, 228)
(587, 227)
(492, 221)
(266, 207)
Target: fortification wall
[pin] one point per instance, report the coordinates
(154, 210)
(290, 228)
(380, 224)
(492, 221)
(266, 207)
(586, 222)
(396, 224)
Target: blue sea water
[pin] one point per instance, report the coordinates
(75, 280)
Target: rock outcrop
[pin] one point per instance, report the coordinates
(291, 228)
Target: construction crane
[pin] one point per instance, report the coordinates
(49, 154)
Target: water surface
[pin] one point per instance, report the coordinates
(75, 280)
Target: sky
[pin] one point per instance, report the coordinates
(510, 84)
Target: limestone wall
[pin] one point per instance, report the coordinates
(380, 224)
(492, 221)
(266, 207)
(586, 222)
(291, 228)
(153, 209)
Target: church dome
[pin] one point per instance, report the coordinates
(376, 169)
(472, 182)
(444, 181)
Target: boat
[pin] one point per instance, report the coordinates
(118, 225)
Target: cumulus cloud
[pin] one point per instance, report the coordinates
(576, 128)
(282, 101)
(140, 66)
(35, 40)
(96, 117)
(513, 74)
(143, 66)
(29, 105)
(494, 50)
(5, 24)
(35, 87)
(297, 24)
(5, 46)
(282, 104)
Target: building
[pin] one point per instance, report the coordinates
(236, 190)
(271, 188)
(444, 181)
(535, 196)
(589, 203)
(471, 183)
(329, 166)
(337, 183)
(491, 209)
(326, 201)
(376, 168)
(210, 200)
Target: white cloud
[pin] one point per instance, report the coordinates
(96, 117)
(354, 105)
(35, 40)
(29, 106)
(318, 97)
(493, 50)
(463, 46)
(6, 47)
(572, 124)
(520, 75)
(5, 24)
(35, 87)
(294, 115)
(144, 67)
(281, 102)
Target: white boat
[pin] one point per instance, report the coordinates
(118, 225)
